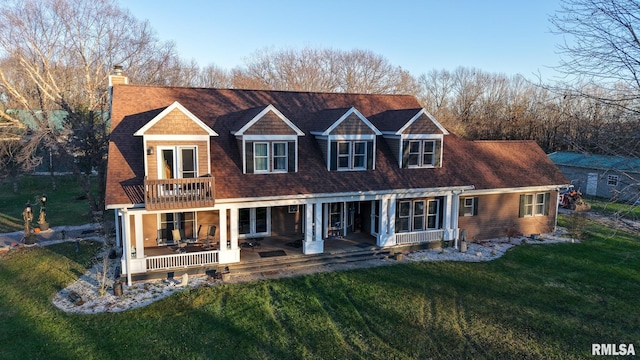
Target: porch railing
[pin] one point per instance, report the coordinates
(173, 261)
(167, 194)
(419, 237)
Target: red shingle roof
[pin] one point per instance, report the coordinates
(485, 164)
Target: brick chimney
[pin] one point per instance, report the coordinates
(116, 77)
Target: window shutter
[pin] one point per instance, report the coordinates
(461, 207)
(475, 206)
(405, 154)
(547, 197)
(333, 156)
(438, 154)
(521, 211)
(291, 156)
(248, 160)
(369, 155)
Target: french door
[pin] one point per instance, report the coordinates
(177, 162)
(254, 222)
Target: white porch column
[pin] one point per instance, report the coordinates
(229, 254)
(233, 226)
(139, 235)
(319, 227)
(454, 198)
(222, 227)
(309, 226)
(126, 243)
(313, 243)
(387, 221)
(116, 215)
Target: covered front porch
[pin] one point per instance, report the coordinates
(270, 228)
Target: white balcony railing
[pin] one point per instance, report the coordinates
(419, 237)
(174, 261)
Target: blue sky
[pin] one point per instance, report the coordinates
(507, 37)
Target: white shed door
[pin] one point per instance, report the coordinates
(592, 184)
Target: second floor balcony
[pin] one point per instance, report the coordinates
(167, 194)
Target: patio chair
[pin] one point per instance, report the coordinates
(177, 239)
(211, 237)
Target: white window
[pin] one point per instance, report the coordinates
(468, 206)
(421, 153)
(612, 180)
(270, 157)
(261, 157)
(280, 157)
(344, 155)
(418, 215)
(533, 204)
(352, 155)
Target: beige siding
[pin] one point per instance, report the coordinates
(422, 125)
(285, 223)
(352, 125)
(270, 124)
(152, 160)
(176, 122)
(498, 213)
(150, 229)
(206, 218)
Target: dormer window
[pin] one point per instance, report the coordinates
(352, 155)
(349, 155)
(422, 153)
(270, 157)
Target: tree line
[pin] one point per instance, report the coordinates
(57, 55)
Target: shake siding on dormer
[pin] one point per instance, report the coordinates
(270, 124)
(175, 123)
(352, 125)
(422, 125)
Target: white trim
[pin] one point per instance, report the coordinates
(353, 110)
(269, 137)
(422, 137)
(167, 110)
(168, 137)
(261, 114)
(512, 190)
(351, 137)
(416, 116)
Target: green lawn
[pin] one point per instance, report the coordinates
(605, 206)
(65, 206)
(538, 301)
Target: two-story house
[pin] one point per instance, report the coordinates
(311, 165)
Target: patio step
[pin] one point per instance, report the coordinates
(280, 263)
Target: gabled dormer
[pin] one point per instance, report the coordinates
(414, 136)
(268, 141)
(347, 139)
(176, 144)
(177, 164)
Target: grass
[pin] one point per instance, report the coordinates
(538, 301)
(607, 207)
(65, 206)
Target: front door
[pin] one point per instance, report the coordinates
(592, 184)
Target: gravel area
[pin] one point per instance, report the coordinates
(144, 293)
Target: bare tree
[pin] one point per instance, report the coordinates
(601, 47)
(57, 54)
(323, 70)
